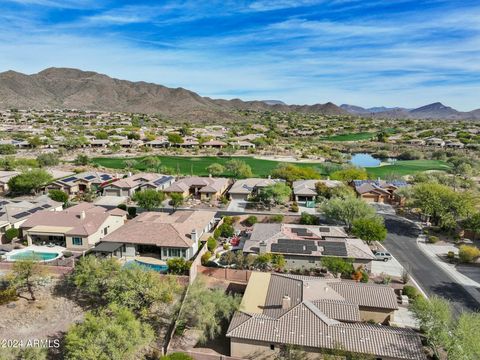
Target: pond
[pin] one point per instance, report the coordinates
(364, 160)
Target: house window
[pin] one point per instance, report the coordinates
(174, 252)
(77, 241)
(272, 347)
(105, 231)
(165, 252)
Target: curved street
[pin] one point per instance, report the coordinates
(402, 244)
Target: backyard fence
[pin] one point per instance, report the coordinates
(234, 275)
(196, 355)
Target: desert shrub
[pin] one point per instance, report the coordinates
(338, 265)
(226, 246)
(432, 239)
(294, 207)
(276, 218)
(410, 291)
(122, 206)
(308, 219)
(8, 295)
(178, 266)
(365, 277)
(176, 356)
(132, 211)
(251, 220)
(211, 244)
(67, 254)
(11, 234)
(450, 255)
(468, 254)
(225, 230)
(205, 258)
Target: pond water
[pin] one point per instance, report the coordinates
(364, 160)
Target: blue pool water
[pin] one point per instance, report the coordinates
(364, 160)
(154, 267)
(30, 254)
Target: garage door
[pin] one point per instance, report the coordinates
(112, 192)
(238, 197)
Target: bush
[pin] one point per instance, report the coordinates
(132, 211)
(58, 195)
(225, 230)
(410, 291)
(432, 239)
(67, 254)
(211, 244)
(11, 234)
(122, 206)
(176, 356)
(468, 254)
(450, 255)
(338, 265)
(226, 246)
(308, 219)
(205, 258)
(276, 218)
(251, 220)
(365, 277)
(7, 295)
(294, 207)
(178, 266)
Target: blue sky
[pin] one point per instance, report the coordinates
(363, 52)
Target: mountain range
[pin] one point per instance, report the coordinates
(65, 88)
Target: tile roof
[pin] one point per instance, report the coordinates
(207, 184)
(162, 229)
(246, 186)
(308, 187)
(315, 319)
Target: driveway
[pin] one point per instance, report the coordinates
(383, 208)
(391, 267)
(237, 205)
(402, 244)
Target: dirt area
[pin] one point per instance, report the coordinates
(51, 314)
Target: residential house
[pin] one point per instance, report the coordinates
(129, 185)
(217, 144)
(243, 145)
(99, 143)
(13, 212)
(454, 144)
(203, 188)
(379, 191)
(318, 316)
(433, 141)
(78, 228)
(303, 246)
(417, 142)
(161, 142)
(305, 190)
(81, 183)
(163, 235)
(245, 188)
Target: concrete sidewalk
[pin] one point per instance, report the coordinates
(433, 251)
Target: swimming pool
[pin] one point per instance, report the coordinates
(33, 255)
(154, 267)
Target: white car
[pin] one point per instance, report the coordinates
(383, 256)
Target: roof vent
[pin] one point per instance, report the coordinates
(82, 215)
(286, 302)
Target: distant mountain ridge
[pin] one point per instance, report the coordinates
(431, 111)
(66, 88)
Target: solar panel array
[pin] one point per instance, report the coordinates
(89, 177)
(294, 246)
(302, 232)
(21, 215)
(72, 178)
(163, 180)
(334, 248)
(105, 177)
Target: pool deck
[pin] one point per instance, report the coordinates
(150, 260)
(37, 248)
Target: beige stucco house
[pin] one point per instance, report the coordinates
(203, 188)
(77, 228)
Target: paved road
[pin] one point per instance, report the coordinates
(401, 242)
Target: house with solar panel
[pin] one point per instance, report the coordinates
(318, 316)
(379, 191)
(202, 188)
(245, 188)
(303, 246)
(82, 182)
(131, 184)
(14, 212)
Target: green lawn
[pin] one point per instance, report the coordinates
(263, 168)
(350, 137)
(406, 167)
(198, 165)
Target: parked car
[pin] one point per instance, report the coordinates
(383, 256)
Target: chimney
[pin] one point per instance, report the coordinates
(129, 173)
(263, 247)
(194, 235)
(286, 302)
(82, 215)
(269, 177)
(209, 175)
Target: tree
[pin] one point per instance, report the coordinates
(225, 230)
(435, 319)
(347, 210)
(149, 199)
(211, 244)
(278, 261)
(291, 173)
(29, 181)
(369, 229)
(176, 200)
(205, 309)
(151, 162)
(178, 266)
(464, 342)
(338, 265)
(82, 159)
(239, 169)
(216, 169)
(48, 159)
(277, 193)
(308, 219)
(441, 203)
(11, 234)
(251, 220)
(114, 333)
(350, 174)
(58, 195)
(7, 149)
(174, 138)
(472, 223)
(25, 276)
